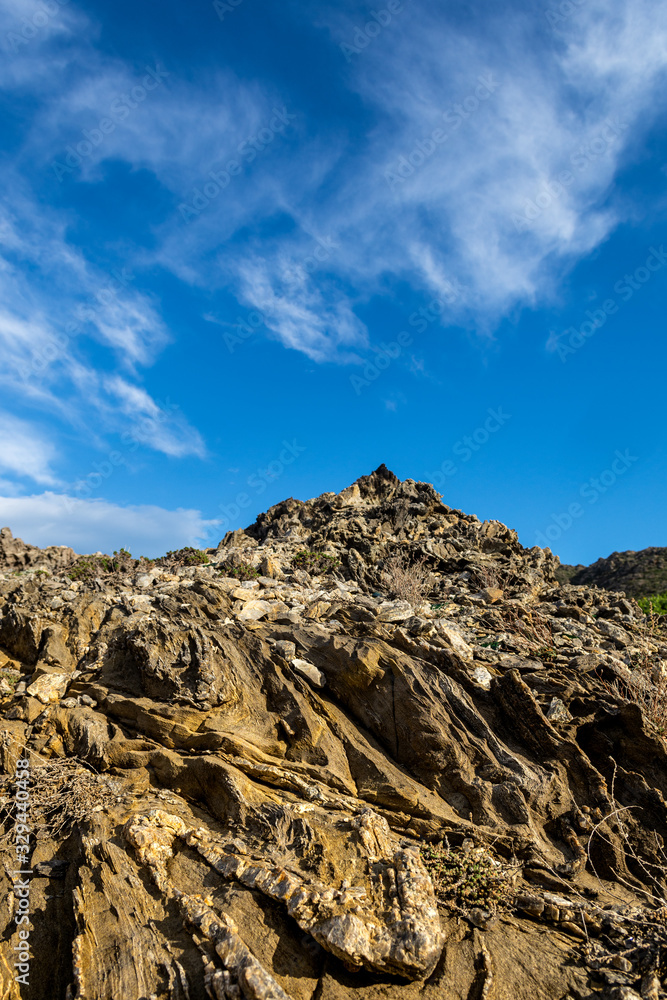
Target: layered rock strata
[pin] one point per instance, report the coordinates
(254, 778)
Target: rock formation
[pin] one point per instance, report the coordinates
(16, 555)
(270, 775)
(639, 574)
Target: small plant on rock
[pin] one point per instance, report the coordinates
(646, 683)
(656, 604)
(315, 562)
(90, 567)
(242, 571)
(467, 879)
(408, 580)
(187, 556)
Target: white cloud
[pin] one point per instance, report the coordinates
(451, 223)
(459, 219)
(43, 360)
(300, 314)
(98, 525)
(161, 428)
(24, 452)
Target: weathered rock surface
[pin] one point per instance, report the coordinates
(242, 771)
(639, 574)
(17, 555)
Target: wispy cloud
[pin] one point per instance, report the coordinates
(511, 128)
(162, 428)
(507, 130)
(301, 314)
(46, 336)
(25, 451)
(91, 525)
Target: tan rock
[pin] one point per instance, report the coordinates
(269, 567)
(49, 687)
(491, 595)
(456, 641)
(309, 671)
(254, 610)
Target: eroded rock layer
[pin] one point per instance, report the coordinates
(270, 775)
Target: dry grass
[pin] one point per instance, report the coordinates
(488, 576)
(656, 874)
(650, 695)
(67, 792)
(408, 580)
(646, 685)
(531, 630)
(64, 792)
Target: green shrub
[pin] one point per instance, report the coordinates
(89, 567)
(242, 571)
(187, 556)
(655, 604)
(315, 562)
(468, 879)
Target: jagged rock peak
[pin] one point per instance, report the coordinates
(15, 554)
(380, 516)
(381, 483)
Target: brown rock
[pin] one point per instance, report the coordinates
(246, 791)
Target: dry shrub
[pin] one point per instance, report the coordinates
(655, 873)
(408, 580)
(64, 792)
(67, 792)
(531, 630)
(488, 576)
(651, 696)
(646, 684)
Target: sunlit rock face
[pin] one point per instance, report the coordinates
(368, 746)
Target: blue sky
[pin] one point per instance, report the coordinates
(252, 250)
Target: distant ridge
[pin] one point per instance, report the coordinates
(639, 574)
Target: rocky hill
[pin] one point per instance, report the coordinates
(639, 574)
(371, 748)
